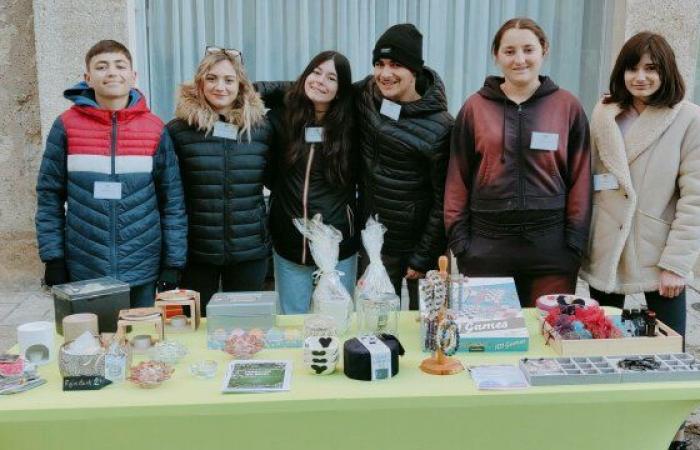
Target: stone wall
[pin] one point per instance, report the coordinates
(678, 21)
(42, 48)
(20, 144)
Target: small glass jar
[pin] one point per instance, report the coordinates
(378, 314)
(319, 325)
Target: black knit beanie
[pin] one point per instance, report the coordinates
(402, 43)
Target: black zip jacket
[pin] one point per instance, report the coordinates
(290, 200)
(403, 169)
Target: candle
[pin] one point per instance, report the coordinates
(179, 321)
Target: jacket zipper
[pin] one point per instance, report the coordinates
(113, 203)
(305, 199)
(225, 197)
(351, 219)
(521, 182)
(370, 185)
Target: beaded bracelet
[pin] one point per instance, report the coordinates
(447, 337)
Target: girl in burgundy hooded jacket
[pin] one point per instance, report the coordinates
(518, 189)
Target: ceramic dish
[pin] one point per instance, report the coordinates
(150, 374)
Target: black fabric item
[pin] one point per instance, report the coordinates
(223, 182)
(403, 169)
(168, 280)
(206, 279)
(55, 272)
(335, 202)
(402, 43)
(671, 311)
(356, 359)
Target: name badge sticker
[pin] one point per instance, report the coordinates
(390, 109)
(605, 182)
(313, 134)
(106, 190)
(544, 141)
(225, 130)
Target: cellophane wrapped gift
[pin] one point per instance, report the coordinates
(375, 281)
(330, 296)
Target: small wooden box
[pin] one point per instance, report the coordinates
(140, 317)
(180, 297)
(665, 341)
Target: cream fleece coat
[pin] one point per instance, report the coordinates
(652, 222)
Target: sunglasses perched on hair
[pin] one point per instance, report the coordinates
(232, 52)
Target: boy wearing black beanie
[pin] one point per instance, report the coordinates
(404, 145)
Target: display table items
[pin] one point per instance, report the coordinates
(233, 314)
(181, 310)
(148, 319)
(487, 313)
(442, 335)
(578, 327)
(102, 296)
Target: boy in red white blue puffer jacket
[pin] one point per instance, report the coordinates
(110, 199)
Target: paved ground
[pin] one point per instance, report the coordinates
(18, 307)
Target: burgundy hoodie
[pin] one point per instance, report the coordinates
(494, 169)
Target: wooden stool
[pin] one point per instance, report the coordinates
(180, 297)
(138, 317)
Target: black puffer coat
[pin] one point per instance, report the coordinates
(223, 183)
(403, 169)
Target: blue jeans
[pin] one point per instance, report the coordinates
(294, 282)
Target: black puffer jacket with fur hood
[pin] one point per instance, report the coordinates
(223, 182)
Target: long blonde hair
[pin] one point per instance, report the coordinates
(193, 107)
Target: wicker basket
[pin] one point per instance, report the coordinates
(80, 365)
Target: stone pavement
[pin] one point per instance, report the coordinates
(34, 303)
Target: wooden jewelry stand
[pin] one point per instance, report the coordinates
(180, 297)
(439, 363)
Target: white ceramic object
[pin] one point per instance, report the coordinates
(36, 342)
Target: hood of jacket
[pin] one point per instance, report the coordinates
(83, 98)
(432, 90)
(492, 88)
(196, 112)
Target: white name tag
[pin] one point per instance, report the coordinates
(105, 190)
(313, 134)
(605, 182)
(380, 357)
(225, 130)
(390, 109)
(544, 141)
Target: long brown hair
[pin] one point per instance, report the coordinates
(672, 89)
(337, 123)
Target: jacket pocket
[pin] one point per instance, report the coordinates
(652, 234)
(482, 177)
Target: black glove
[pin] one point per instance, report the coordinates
(168, 280)
(56, 272)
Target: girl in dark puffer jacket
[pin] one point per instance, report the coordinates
(222, 139)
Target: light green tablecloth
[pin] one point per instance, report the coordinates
(411, 411)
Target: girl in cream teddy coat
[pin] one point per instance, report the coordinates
(645, 229)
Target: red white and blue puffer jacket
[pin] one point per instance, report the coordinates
(130, 238)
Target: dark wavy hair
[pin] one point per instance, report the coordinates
(337, 123)
(672, 89)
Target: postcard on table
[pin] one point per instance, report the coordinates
(257, 376)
